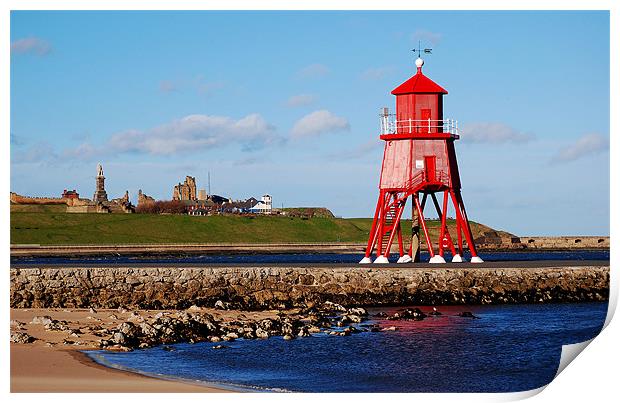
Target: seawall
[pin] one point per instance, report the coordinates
(260, 287)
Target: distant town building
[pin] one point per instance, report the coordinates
(202, 194)
(100, 193)
(70, 194)
(185, 190)
(263, 206)
(238, 206)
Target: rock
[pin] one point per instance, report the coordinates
(215, 339)
(351, 330)
(41, 320)
(288, 337)
(358, 312)
(135, 317)
(351, 318)
(262, 334)
(16, 323)
(408, 314)
(92, 310)
(194, 308)
(303, 332)
(389, 329)
(119, 338)
(467, 314)
(148, 330)
(57, 325)
(113, 317)
(219, 346)
(435, 312)
(128, 329)
(314, 329)
(232, 335)
(21, 338)
(330, 306)
(219, 304)
(287, 328)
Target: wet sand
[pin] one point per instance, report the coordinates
(50, 365)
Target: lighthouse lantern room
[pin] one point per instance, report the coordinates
(419, 161)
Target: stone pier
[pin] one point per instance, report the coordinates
(262, 287)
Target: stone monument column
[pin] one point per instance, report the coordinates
(100, 193)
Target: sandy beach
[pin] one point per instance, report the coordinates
(50, 365)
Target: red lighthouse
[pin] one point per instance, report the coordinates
(419, 161)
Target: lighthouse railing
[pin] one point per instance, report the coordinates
(389, 125)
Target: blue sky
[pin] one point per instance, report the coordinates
(287, 103)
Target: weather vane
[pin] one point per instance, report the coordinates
(420, 50)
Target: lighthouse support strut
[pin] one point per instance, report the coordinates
(423, 223)
(462, 218)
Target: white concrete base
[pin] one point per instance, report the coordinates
(365, 260)
(381, 260)
(437, 259)
(404, 259)
(457, 259)
(476, 259)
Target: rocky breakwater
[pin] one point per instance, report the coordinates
(126, 330)
(287, 287)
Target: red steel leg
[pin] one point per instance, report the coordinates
(459, 226)
(373, 229)
(468, 233)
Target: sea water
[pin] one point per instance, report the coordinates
(507, 348)
(301, 258)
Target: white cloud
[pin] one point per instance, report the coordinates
(589, 144)
(319, 122)
(188, 134)
(377, 73)
(493, 133)
(35, 153)
(427, 37)
(31, 45)
(300, 100)
(313, 71)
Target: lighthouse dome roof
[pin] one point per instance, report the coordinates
(419, 84)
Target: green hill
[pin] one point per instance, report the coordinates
(58, 228)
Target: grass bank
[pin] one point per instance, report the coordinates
(58, 228)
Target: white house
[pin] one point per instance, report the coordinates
(262, 206)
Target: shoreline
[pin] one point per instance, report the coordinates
(55, 363)
(47, 365)
(73, 371)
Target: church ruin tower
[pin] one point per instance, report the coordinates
(419, 161)
(100, 193)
